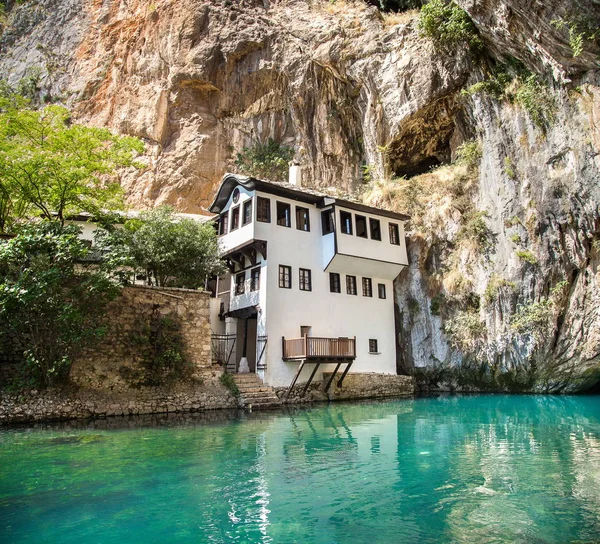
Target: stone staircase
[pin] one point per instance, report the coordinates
(254, 393)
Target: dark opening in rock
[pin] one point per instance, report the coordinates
(422, 167)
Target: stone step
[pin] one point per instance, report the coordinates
(258, 394)
(260, 402)
(254, 389)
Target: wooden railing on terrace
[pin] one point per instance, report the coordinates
(311, 347)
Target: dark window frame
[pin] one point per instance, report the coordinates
(255, 279)
(287, 275)
(304, 279)
(351, 285)
(377, 229)
(240, 286)
(335, 282)
(300, 223)
(367, 287)
(394, 232)
(361, 218)
(373, 346)
(327, 222)
(381, 290)
(224, 223)
(235, 219)
(287, 218)
(247, 212)
(263, 209)
(346, 222)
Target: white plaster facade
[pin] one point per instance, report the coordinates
(281, 312)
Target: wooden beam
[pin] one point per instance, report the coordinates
(295, 379)
(310, 379)
(332, 377)
(339, 384)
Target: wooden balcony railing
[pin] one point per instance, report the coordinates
(312, 347)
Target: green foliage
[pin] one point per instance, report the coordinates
(269, 160)
(509, 168)
(581, 29)
(494, 86)
(494, 287)
(469, 153)
(51, 303)
(52, 168)
(466, 330)
(447, 25)
(527, 256)
(159, 343)
(515, 239)
(476, 230)
(437, 304)
(532, 318)
(227, 380)
(536, 100)
(169, 250)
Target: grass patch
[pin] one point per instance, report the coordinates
(527, 256)
(227, 380)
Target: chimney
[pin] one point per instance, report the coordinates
(295, 174)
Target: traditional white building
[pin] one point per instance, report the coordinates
(311, 282)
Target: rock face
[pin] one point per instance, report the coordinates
(356, 92)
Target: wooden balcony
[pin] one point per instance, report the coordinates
(313, 348)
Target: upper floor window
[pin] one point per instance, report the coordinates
(247, 215)
(283, 214)
(305, 281)
(240, 281)
(263, 209)
(394, 234)
(302, 219)
(381, 290)
(255, 279)
(373, 348)
(361, 226)
(235, 218)
(351, 285)
(375, 226)
(346, 222)
(236, 195)
(224, 223)
(334, 282)
(367, 286)
(285, 276)
(327, 222)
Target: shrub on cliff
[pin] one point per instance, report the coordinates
(168, 250)
(267, 160)
(51, 301)
(447, 25)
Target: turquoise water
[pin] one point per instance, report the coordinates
(457, 469)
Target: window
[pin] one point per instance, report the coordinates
(247, 216)
(327, 222)
(381, 290)
(240, 280)
(224, 223)
(351, 285)
(305, 283)
(367, 287)
(373, 345)
(285, 276)
(302, 219)
(255, 279)
(283, 214)
(346, 222)
(361, 226)
(375, 227)
(236, 195)
(235, 218)
(334, 282)
(263, 209)
(394, 234)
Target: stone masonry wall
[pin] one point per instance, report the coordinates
(110, 363)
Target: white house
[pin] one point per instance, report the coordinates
(311, 282)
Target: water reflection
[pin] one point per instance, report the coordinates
(455, 469)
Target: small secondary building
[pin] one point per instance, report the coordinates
(310, 287)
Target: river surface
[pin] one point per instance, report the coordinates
(456, 469)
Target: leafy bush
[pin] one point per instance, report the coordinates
(268, 160)
(469, 153)
(169, 250)
(51, 302)
(527, 256)
(477, 231)
(447, 25)
(581, 29)
(227, 380)
(536, 100)
(494, 287)
(466, 330)
(509, 169)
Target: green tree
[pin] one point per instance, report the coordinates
(51, 300)
(269, 160)
(448, 25)
(170, 250)
(52, 168)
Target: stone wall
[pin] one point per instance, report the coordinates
(355, 386)
(83, 403)
(115, 361)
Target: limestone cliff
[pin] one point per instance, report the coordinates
(504, 271)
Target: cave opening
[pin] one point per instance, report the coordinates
(594, 390)
(410, 170)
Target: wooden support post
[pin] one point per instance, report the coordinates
(295, 379)
(339, 384)
(310, 379)
(283, 353)
(330, 381)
